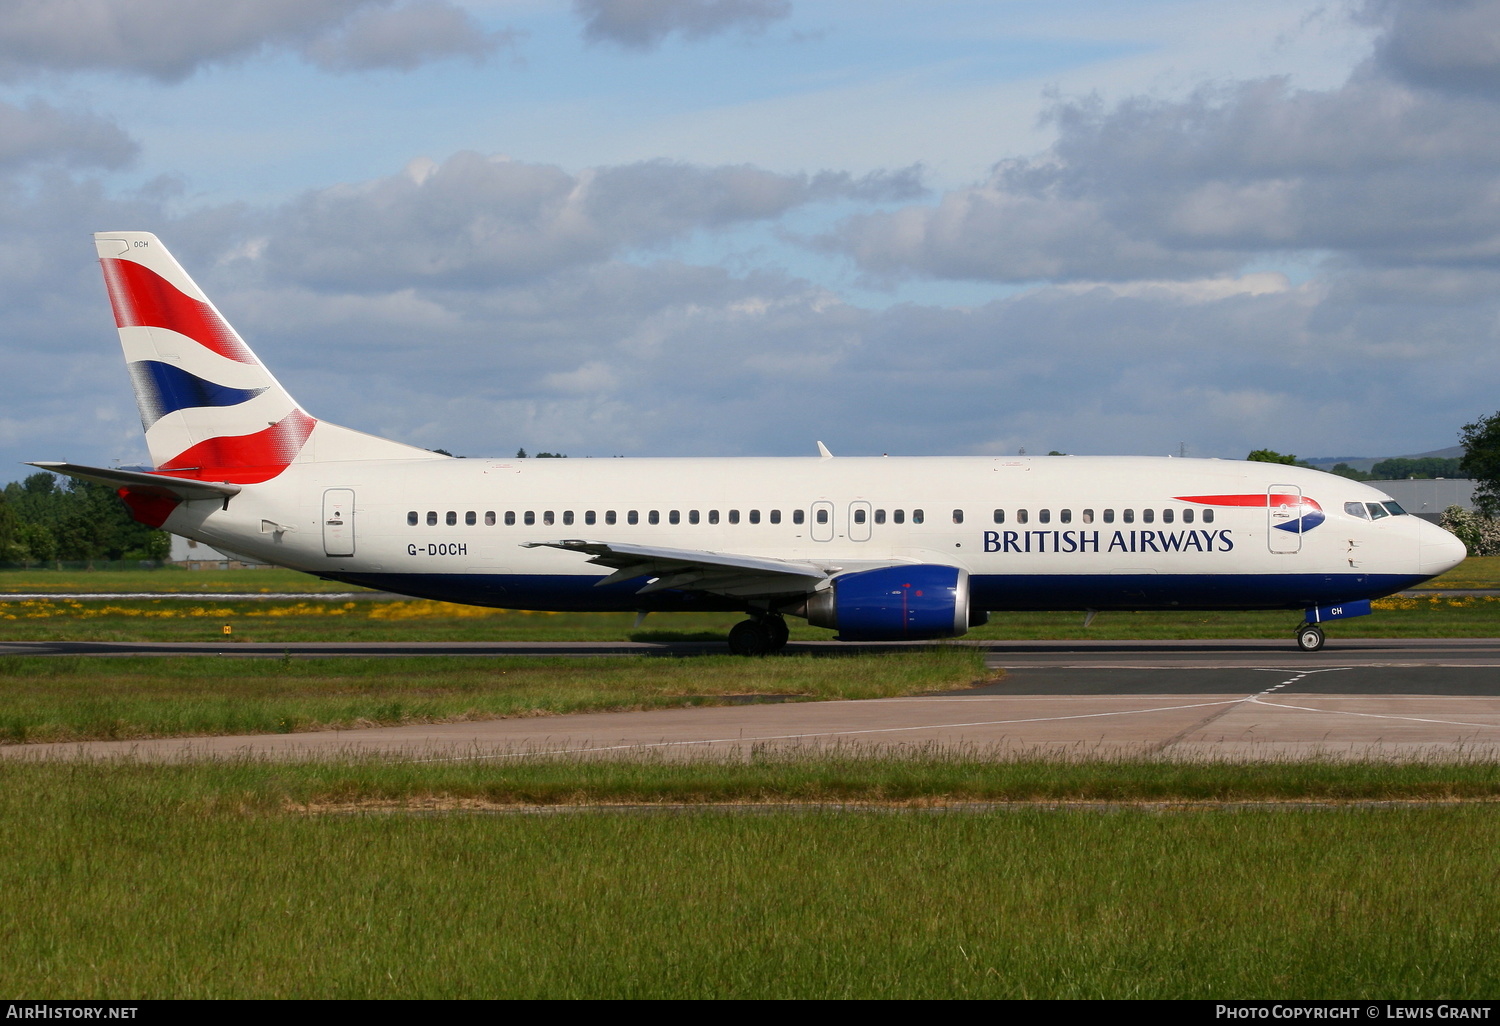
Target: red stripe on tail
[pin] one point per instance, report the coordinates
(143, 298)
(244, 459)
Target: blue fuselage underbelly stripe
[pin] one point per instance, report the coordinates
(1011, 592)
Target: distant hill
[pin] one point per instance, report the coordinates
(1364, 463)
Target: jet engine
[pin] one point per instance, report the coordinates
(895, 603)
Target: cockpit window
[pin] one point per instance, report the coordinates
(1394, 509)
(1357, 509)
(1376, 510)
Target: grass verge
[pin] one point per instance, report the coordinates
(66, 698)
(210, 881)
(169, 619)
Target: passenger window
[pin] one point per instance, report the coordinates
(917, 516)
(1148, 516)
(471, 518)
(609, 517)
(1187, 516)
(1022, 516)
(859, 516)
(510, 518)
(654, 517)
(775, 516)
(567, 518)
(1166, 516)
(451, 518)
(692, 516)
(1376, 510)
(1088, 516)
(489, 518)
(633, 517)
(1066, 516)
(1044, 516)
(958, 516)
(1109, 516)
(798, 516)
(530, 518)
(898, 516)
(1208, 516)
(754, 516)
(588, 517)
(880, 516)
(1128, 516)
(822, 516)
(548, 517)
(411, 519)
(999, 516)
(674, 517)
(431, 518)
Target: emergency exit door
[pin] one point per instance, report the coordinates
(338, 522)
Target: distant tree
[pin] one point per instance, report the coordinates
(442, 452)
(551, 455)
(1344, 470)
(1479, 533)
(1054, 452)
(1423, 467)
(1481, 461)
(1272, 456)
(520, 454)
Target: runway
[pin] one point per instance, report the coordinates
(1382, 699)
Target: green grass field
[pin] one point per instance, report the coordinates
(274, 621)
(243, 880)
(63, 698)
(780, 877)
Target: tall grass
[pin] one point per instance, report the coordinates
(125, 881)
(69, 698)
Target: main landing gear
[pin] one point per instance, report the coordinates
(759, 636)
(1309, 637)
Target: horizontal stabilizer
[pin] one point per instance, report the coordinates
(177, 487)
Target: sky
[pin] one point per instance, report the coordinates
(738, 227)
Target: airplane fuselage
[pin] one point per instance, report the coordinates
(1033, 534)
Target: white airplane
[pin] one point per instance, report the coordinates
(875, 548)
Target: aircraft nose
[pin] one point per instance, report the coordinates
(1439, 551)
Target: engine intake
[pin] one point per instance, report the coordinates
(895, 603)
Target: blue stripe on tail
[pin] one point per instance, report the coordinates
(162, 388)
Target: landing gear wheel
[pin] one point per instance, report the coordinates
(1309, 638)
(750, 638)
(780, 632)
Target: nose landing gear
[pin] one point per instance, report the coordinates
(759, 636)
(1309, 637)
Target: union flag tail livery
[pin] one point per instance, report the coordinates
(876, 549)
(210, 409)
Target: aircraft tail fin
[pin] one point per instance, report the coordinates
(210, 409)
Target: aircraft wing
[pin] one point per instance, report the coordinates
(139, 481)
(718, 573)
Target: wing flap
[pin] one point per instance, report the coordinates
(719, 573)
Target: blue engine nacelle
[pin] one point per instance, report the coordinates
(895, 603)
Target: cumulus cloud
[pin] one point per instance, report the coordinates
(168, 40)
(1447, 44)
(406, 37)
(474, 220)
(644, 24)
(39, 133)
(1399, 166)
